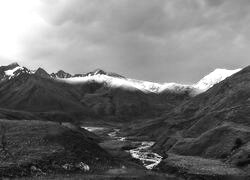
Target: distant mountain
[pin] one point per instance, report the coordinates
(98, 92)
(11, 71)
(36, 93)
(201, 123)
(102, 72)
(61, 74)
(118, 81)
(41, 72)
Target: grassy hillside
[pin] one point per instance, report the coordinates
(44, 147)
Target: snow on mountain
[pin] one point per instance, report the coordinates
(158, 87)
(118, 81)
(11, 72)
(110, 81)
(213, 78)
(150, 87)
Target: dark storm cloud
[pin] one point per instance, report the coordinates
(158, 40)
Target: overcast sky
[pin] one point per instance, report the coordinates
(156, 40)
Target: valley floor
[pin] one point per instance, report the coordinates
(39, 150)
(186, 167)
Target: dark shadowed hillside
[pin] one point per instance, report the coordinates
(214, 124)
(38, 94)
(35, 147)
(130, 103)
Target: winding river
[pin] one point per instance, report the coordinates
(141, 152)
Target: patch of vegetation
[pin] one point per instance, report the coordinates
(38, 148)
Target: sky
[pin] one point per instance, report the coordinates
(155, 40)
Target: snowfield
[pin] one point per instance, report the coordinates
(213, 78)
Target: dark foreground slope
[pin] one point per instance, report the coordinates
(45, 147)
(48, 150)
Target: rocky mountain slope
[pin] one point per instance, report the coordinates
(212, 125)
(196, 127)
(54, 98)
(98, 93)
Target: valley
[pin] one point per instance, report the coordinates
(104, 125)
(137, 149)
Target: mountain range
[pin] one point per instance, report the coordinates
(95, 94)
(196, 127)
(115, 80)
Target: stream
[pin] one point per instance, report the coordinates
(141, 152)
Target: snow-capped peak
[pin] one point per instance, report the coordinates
(213, 78)
(150, 87)
(11, 72)
(108, 80)
(116, 82)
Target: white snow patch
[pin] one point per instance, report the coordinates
(11, 72)
(213, 78)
